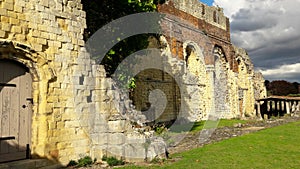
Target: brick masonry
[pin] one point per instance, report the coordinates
(76, 109)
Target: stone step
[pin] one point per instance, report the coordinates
(30, 164)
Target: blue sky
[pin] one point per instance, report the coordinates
(208, 2)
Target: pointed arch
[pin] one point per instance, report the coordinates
(192, 48)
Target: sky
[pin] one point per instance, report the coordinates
(269, 30)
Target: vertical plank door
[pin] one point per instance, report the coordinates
(15, 111)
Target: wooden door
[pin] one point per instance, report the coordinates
(15, 111)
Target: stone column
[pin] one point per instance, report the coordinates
(271, 106)
(258, 110)
(288, 110)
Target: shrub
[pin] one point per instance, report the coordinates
(82, 162)
(157, 160)
(113, 161)
(72, 163)
(85, 161)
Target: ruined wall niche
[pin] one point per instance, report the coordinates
(194, 60)
(220, 59)
(221, 85)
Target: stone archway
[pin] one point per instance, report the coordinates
(15, 111)
(196, 80)
(221, 88)
(39, 73)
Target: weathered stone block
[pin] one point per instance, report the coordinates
(100, 128)
(2, 33)
(116, 138)
(16, 29)
(3, 11)
(18, 8)
(100, 138)
(6, 5)
(72, 124)
(115, 151)
(81, 143)
(135, 152)
(116, 126)
(12, 16)
(5, 26)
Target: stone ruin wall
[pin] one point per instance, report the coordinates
(74, 110)
(74, 113)
(212, 15)
(232, 95)
(46, 36)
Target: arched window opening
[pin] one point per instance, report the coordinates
(188, 50)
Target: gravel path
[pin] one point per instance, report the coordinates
(191, 140)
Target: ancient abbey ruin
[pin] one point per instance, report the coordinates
(57, 103)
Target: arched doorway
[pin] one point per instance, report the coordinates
(15, 111)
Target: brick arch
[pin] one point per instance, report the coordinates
(219, 52)
(241, 62)
(165, 45)
(195, 64)
(196, 48)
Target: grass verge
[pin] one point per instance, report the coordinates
(277, 147)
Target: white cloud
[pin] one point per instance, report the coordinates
(268, 30)
(286, 72)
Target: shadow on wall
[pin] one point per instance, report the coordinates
(7, 75)
(152, 79)
(15, 115)
(13, 155)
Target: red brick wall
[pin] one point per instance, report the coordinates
(217, 36)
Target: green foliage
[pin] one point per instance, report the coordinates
(294, 95)
(72, 163)
(282, 88)
(85, 161)
(82, 162)
(113, 161)
(160, 129)
(101, 12)
(157, 160)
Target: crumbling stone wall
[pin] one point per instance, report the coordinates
(74, 110)
(46, 36)
(225, 83)
(78, 111)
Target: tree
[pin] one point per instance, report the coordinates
(101, 12)
(281, 88)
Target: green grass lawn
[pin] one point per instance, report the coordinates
(278, 147)
(197, 126)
